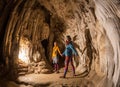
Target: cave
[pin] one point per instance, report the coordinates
(29, 28)
(45, 44)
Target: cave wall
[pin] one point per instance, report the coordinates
(108, 14)
(92, 24)
(102, 19)
(26, 29)
(5, 10)
(32, 22)
(79, 17)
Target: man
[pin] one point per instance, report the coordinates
(68, 53)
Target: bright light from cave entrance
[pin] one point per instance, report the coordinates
(24, 51)
(23, 55)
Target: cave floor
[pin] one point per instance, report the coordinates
(54, 80)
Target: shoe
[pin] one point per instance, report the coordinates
(62, 76)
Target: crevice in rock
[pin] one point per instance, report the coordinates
(45, 46)
(21, 7)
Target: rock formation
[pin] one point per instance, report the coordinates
(29, 27)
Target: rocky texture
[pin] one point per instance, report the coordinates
(26, 30)
(108, 14)
(29, 28)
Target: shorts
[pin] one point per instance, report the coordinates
(55, 60)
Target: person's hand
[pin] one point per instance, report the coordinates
(61, 55)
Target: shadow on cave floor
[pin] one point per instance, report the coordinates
(53, 80)
(84, 79)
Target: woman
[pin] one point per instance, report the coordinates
(68, 53)
(55, 57)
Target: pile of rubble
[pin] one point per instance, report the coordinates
(37, 68)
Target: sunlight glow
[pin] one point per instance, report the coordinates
(24, 50)
(23, 55)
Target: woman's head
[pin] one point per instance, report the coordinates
(68, 38)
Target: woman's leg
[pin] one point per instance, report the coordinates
(66, 66)
(73, 68)
(57, 68)
(54, 62)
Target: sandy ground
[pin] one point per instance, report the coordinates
(52, 80)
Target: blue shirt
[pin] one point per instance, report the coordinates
(69, 50)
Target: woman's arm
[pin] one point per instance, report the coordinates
(73, 50)
(59, 51)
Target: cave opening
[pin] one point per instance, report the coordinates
(45, 45)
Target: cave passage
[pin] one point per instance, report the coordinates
(45, 45)
(28, 29)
